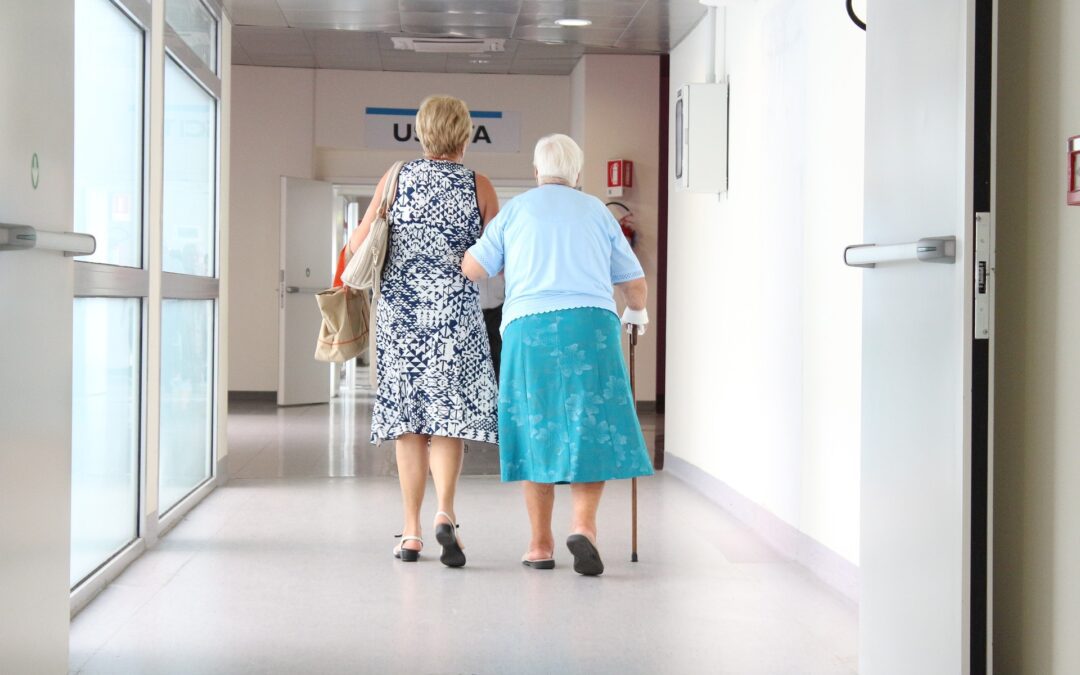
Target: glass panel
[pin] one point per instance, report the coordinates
(190, 139)
(194, 23)
(105, 430)
(109, 131)
(187, 376)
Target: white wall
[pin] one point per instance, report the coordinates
(273, 131)
(577, 103)
(615, 107)
(1037, 389)
(37, 78)
(764, 320)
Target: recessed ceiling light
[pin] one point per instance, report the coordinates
(572, 23)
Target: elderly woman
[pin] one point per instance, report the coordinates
(566, 414)
(436, 384)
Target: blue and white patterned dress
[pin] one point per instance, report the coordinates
(434, 362)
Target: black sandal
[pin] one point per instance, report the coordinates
(586, 556)
(407, 554)
(539, 563)
(446, 535)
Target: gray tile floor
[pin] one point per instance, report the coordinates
(288, 569)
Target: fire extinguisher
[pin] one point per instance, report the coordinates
(625, 216)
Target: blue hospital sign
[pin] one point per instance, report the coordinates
(394, 128)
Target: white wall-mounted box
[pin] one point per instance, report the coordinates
(701, 138)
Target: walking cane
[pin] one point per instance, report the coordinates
(633, 481)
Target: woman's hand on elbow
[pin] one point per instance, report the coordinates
(473, 269)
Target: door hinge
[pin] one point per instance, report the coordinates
(983, 275)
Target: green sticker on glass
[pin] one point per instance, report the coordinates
(35, 171)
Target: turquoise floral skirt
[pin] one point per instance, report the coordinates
(565, 410)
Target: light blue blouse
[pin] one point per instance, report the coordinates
(560, 248)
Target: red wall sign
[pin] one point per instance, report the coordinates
(620, 174)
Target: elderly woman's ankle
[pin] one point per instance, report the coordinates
(588, 529)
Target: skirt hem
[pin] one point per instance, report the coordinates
(600, 478)
(465, 435)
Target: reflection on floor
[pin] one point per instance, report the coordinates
(288, 569)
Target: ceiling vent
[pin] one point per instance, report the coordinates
(438, 45)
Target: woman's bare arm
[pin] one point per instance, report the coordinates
(472, 269)
(634, 293)
(361, 231)
(488, 202)
(486, 199)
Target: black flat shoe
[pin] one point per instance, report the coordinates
(407, 554)
(586, 558)
(446, 535)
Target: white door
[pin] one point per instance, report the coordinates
(307, 234)
(37, 119)
(925, 375)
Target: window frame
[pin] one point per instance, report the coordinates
(177, 286)
(107, 280)
(209, 73)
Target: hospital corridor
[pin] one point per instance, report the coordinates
(728, 337)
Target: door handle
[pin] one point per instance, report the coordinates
(300, 289)
(927, 249)
(21, 237)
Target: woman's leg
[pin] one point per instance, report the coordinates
(586, 498)
(446, 457)
(412, 463)
(539, 500)
(582, 543)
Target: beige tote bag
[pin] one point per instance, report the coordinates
(345, 324)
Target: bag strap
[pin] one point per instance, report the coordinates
(390, 189)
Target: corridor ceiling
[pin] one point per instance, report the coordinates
(356, 34)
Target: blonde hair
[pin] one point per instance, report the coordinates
(443, 125)
(558, 156)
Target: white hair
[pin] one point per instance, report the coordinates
(558, 156)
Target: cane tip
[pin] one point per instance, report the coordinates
(633, 557)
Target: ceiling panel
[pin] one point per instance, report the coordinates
(597, 37)
(571, 32)
(588, 9)
(413, 62)
(477, 19)
(457, 31)
(460, 6)
(345, 49)
(240, 56)
(540, 50)
(258, 40)
(339, 5)
(257, 13)
(354, 34)
(373, 22)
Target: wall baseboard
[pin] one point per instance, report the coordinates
(789, 541)
(221, 475)
(264, 396)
